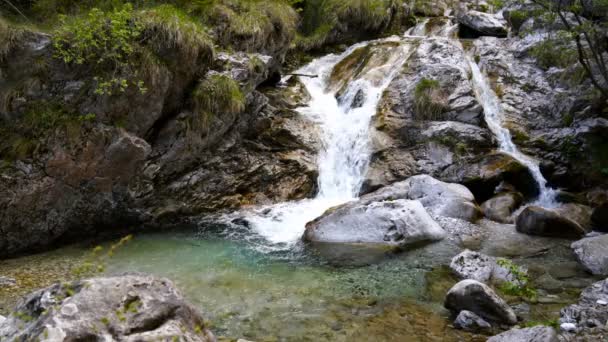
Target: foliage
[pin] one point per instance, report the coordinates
(520, 286)
(429, 100)
(97, 259)
(553, 323)
(588, 35)
(104, 40)
(555, 51)
(214, 95)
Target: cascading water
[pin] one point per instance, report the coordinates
(494, 118)
(492, 110)
(345, 155)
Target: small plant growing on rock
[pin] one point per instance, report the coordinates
(520, 286)
(429, 100)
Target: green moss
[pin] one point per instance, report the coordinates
(215, 95)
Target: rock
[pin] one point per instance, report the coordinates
(479, 267)
(539, 221)
(6, 281)
(127, 308)
(581, 214)
(479, 298)
(568, 327)
(500, 207)
(599, 217)
(394, 223)
(469, 321)
(482, 24)
(592, 253)
(590, 311)
(2, 319)
(444, 199)
(534, 334)
(487, 172)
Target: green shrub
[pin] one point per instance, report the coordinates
(429, 100)
(554, 52)
(521, 284)
(105, 41)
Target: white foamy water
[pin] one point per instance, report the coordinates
(344, 158)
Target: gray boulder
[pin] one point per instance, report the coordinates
(500, 207)
(469, 321)
(592, 253)
(479, 298)
(483, 23)
(394, 223)
(480, 267)
(543, 222)
(534, 334)
(125, 308)
(599, 217)
(591, 311)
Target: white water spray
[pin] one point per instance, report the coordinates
(344, 159)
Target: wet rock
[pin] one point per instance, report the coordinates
(503, 240)
(480, 267)
(599, 217)
(486, 172)
(539, 221)
(581, 214)
(394, 223)
(591, 312)
(592, 253)
(500, 207)
(483, 24)
(479, 298)
(534, 334)
(469, 321)
(128, 308)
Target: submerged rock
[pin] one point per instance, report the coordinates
(534, 334)
(479, 298)
(500, 207)
(590, 313)
(395, 223)
(592, 253)
(480, 267)
(126, 308)
(483, 24)
(6, 281)
(469, 321)
(539, 221)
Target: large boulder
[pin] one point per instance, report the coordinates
(500, 207)
(480, 267)
(581, 214)
(534, 334)
(125, 308)
(543, 222)
(395, 223)
(592, 253)
(482, 24)
(479, 298)
(590, 312)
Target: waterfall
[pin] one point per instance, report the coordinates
(344, 158)
(494, 119)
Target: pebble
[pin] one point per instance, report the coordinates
(569, 327)
(602, 302)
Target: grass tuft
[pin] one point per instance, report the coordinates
(215, 95)
(429, 100)
(9, 37)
